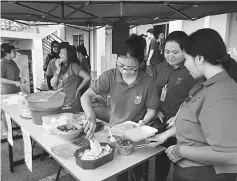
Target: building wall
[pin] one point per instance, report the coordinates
(25, 44)
(219, 23)
(224, 24)
(72, 31)
(48, 29)
(37, 63)
(191, 26)
(100, 53)
(232, 35)
(175, 26)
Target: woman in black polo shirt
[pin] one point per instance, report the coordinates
(173, 84)
(132, 92)
(205, 126)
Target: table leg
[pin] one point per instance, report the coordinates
(58, 174)
(16, 137)
(33, 143)
(11, 157)
(13, 163)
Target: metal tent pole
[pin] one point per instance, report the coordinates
(89, 37)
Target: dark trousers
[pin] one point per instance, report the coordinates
(202, 173)
(138, 172)
(162, 162)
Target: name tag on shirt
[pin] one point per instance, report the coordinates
(163, 93)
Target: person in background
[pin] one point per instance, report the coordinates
(52, 55)
(67, 76)
(173, 83)
(84, 58)
(132, 93)
(84, 62)
(205, 126)
(153, 54)
(161, 40)
(10, 75)
(51, 66)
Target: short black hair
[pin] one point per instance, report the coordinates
(6, 48)
(208, 43)
(151, 30)
(82, 49)
(136, 47)
(63, 45)
(177, 36)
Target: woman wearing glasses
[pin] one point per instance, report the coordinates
(132, 92)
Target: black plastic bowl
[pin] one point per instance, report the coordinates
(93, 164)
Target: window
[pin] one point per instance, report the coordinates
(78, 39)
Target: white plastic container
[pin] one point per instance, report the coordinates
(51, 122)
(48, 128)
(133, 131)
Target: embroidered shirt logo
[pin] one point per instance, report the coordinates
(179, 80)
(137, 99)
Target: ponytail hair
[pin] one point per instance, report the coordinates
(209, 44)
(230, 65)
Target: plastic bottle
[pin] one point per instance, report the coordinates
(22, 102)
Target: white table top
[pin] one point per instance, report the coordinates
(116, 166)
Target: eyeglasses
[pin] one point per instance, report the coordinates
(127, 68)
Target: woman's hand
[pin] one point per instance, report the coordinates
(18, 83)
(157, 140)
(57, 65)
(173, 152)
(160, 115)
(89, 127)
(170, 122)
(77, 93)
(24, 80)
(141, 123)
(149, 70)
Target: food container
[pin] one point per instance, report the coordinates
(53, 102)
(52, 121)
(48, 128)
(93, 164)
(43, 108)
(140, 133)
(68, 135)
(113, 141)
(120, 129)
(133, 131)
(124, 146)
(38, 114)
(64, 150)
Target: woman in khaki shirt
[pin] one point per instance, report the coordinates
(206, 123)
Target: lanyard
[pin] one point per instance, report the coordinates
(168, 78)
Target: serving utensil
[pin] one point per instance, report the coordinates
(59, 90)
(141, 146)
(112, 138)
